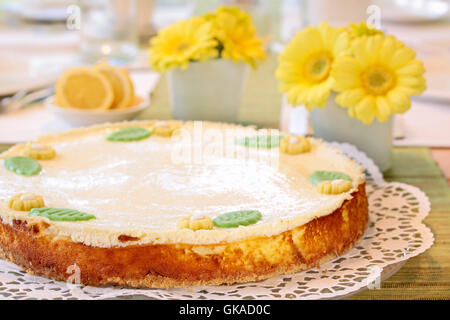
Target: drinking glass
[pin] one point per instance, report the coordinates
(109, 30)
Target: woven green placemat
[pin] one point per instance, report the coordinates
(426, 276)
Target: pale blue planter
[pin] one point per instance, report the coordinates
(210, 90)
(332, 123)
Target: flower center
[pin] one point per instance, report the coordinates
(377, 80)
(317, 67)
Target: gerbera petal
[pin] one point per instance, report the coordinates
(293, 93)
(383, 109)
(401, 57)
(302, 100)
(372, 47)
(346, 72)
(387, 50)
(359, 50)
(365, 109)
(328, 35)
(318, 95)
(350, 97)
(341, 46)
(413, 68)
(410, 81)
(351, 111)
(412, 91)
(312, 40)
(399, 101)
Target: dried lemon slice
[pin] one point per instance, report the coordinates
(26, 202)
(84, 88)
(39, 151)
(121, 85)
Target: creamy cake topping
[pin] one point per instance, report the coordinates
(137, 189)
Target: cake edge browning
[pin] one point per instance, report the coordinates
(181, 265)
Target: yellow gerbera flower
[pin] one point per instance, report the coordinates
(378, 79)
(305, 64)
(237, 36)
(241, 16)
(362, 29)
(182, 42)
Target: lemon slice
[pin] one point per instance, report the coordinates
(130, 82)
(121, 84)
(84, 88)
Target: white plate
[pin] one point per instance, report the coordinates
(41, 11)
(410, 11)
(19, 73)
(81, 118)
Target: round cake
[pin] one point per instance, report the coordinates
(173, 204)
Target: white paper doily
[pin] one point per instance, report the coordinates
(395, 234)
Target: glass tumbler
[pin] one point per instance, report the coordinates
(109, 31)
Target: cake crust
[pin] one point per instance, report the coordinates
(179, 265)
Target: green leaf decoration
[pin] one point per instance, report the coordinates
(267, 142)
(319, 176)
(23, 165)
(129, 134)
(56, 214)
(237, 218)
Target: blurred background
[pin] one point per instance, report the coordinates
(39, 39)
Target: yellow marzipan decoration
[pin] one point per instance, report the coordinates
(334, 187)
(301, 145)
(165, 129)
(197, 224)
(39, 151)
(26, 202)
